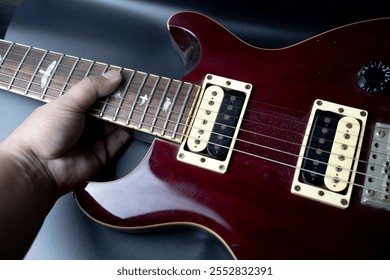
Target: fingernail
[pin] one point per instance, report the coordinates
(111, 74)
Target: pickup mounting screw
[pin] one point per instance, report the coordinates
(381, 133)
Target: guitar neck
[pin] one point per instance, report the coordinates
(156, 105)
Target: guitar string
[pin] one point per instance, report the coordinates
(122, 107)
(212, 132)
(293, 166)
(28, 49)
(45, 54)
(107, 103)
(65, 84)
(287, 164)
(15, 76)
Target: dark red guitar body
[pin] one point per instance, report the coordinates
(251, 208)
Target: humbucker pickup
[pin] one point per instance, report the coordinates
(377, 183)
(329, 153)
(217, 118)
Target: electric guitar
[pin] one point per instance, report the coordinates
(281, 154)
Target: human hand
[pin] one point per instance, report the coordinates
(53, 141)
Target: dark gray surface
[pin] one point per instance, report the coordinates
(133, 34)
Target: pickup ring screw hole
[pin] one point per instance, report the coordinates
(321, 193)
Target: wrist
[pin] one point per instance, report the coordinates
(28, 171)
(26, 197)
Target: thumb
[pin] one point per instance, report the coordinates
(82, 95)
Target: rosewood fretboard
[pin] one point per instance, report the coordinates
(149, 103)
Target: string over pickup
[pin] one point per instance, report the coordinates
(215, 125)
(328, 159)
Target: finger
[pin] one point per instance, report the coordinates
(82, 95)
(116, 140)
(105, 149)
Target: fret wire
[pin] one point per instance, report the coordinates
(127, 119)
(159, 107)
(41, 62)
(33, 66)
(6, 53)
(106, 99)
(36, 70)
(18, 68)
(43, 59)
(72, 69)
(53, 98)
(89, 68)
(169, 82)
(48, 61)
(150, 99)
(62, 91)
(124, 121)
(119, 105)
(34, 48)
(124, 95)
(51, 79)
(181, 113)
(137, 96)
(52, 73)
(107, 104)
(170, 111)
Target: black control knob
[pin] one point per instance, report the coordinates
(374, 77)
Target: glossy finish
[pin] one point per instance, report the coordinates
(251, 207)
